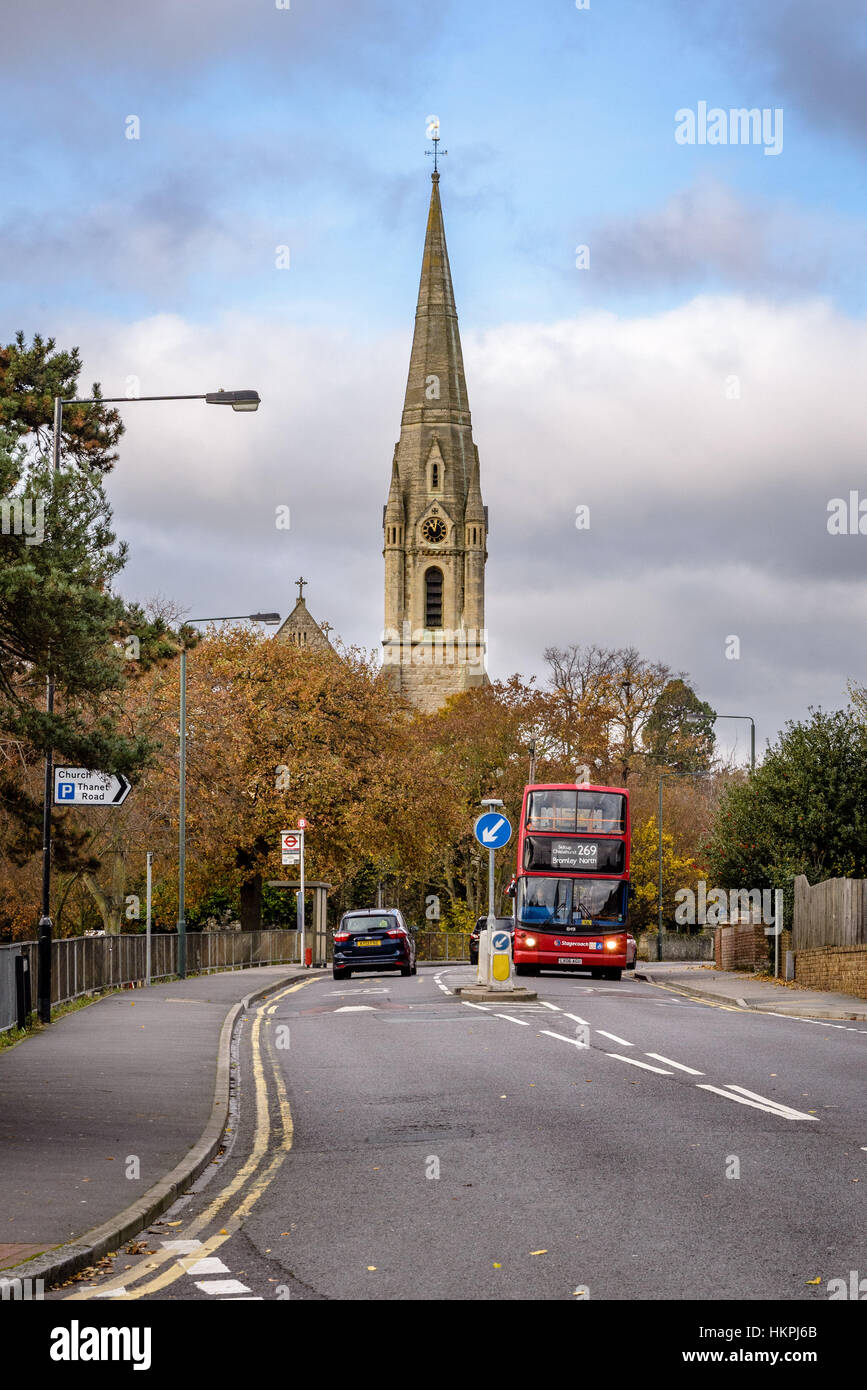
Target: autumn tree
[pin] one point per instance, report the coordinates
(803, 811)
(679, 732)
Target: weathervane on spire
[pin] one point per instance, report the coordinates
(433, 133)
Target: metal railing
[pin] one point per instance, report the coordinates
(83, 965)
(442, 945)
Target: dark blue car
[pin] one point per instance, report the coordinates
(373, 938)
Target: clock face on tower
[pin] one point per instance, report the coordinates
(434, 530)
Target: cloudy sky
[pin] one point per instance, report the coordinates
(699, 385)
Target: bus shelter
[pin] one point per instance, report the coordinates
(316, 927)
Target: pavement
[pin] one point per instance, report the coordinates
(113, 1110)
(748, 992)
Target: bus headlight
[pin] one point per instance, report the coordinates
(615, 943)
(529, 942)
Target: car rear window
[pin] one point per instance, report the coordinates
(363, 926)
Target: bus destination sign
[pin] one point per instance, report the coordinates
(574, 854)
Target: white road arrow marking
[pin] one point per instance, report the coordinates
(356, 1009)
(489, 834)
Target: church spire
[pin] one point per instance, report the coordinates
(436, 391)
(434, 521)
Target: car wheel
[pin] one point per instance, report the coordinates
(341, 974)
(406, 970)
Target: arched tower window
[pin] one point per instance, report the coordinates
(433, 598)
(434, 476)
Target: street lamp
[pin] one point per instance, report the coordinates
(662, 777)
(238, 400)
(694, 716)
(270, 619)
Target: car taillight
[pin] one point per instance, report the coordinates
(341, 936)
(395, 931)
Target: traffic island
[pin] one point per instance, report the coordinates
(486, 994)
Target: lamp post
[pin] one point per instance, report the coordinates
(662, 777)
(269, 618)
(694, 717)
(238, 400)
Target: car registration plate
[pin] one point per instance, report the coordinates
(570, 960)
(370, 943)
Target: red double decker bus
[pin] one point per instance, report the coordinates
(572, 881)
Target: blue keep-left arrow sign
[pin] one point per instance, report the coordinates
(492, 830)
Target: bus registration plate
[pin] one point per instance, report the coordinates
(570, 960)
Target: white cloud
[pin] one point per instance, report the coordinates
(707, 513)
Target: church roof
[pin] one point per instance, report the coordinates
(302, 629)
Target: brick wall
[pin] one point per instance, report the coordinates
(842, 968)
(740, 946)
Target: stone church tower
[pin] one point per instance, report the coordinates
(434, 523)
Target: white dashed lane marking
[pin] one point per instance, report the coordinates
(614, 1037)
(634, 1062)
(209, 1265)
(523, 1022)
(740, 1094)
(222, 1286)
(229, 1289)
(563, 1038)
(657, 1056)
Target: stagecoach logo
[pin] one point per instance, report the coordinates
(582, 945)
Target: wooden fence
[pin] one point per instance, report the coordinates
(833, 913)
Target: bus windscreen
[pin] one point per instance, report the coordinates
(571, 902)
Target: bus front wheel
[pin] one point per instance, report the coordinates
(613, 974)
(526, 969)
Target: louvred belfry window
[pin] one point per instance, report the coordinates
(433, 598)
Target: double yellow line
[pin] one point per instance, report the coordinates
(246, 1178)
